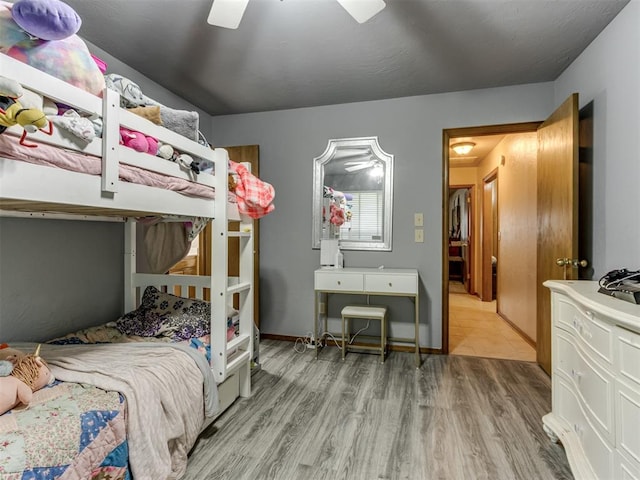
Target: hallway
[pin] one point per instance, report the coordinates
(475, 329)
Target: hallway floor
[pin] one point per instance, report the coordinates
(475, 329)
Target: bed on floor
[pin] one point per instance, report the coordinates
(130, 396)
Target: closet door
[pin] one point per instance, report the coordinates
(238, 154)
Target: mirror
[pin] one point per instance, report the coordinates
(352, 194)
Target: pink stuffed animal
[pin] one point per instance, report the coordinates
(138, 141)
(337, 215)
(12, 393)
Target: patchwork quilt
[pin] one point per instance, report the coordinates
(69, 431)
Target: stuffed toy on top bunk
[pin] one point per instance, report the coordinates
(12, 112)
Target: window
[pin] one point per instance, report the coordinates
(365, 221)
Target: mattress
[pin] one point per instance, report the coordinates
(70, 160)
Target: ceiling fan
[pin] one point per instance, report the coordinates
(354, 166)
(228, 13)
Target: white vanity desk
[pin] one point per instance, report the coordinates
(368, 281)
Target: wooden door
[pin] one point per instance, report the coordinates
(249, 154)
(557, 212)
(239, 154)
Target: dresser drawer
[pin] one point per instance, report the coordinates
(596, 333)
(599, 452)
(595, 386)
(628, 353)
(628, 421)
(334, 281)
(381, 283)
(626, 469)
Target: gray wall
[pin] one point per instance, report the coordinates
(411, 128)
(608, 74)
(57, 276)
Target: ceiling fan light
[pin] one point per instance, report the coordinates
(362, 10)
(227, 13)
(463, 148)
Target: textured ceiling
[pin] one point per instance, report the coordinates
(298, 53)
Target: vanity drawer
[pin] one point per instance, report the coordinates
(334, 281)
(593, 331)
(381, 283)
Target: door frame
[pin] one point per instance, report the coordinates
(488, 226)
(447, 135)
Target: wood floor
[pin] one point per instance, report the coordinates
(454, 418)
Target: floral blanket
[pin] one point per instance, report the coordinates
(69, 430)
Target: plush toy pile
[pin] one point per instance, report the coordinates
(20, 375)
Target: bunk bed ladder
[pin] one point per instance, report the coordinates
(236, 354)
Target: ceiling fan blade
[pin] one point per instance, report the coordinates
(362, 10)
(349, 153)
(355, 168)
(227, 13)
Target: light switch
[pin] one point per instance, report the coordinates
(418, 220)
(419, 235)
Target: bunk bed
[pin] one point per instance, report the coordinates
(30, 188)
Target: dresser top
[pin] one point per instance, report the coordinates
(370, 270)
(586, 293)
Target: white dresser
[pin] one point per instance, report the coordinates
(368, 281)
(595, 356)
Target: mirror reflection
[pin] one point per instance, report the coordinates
(352, 194)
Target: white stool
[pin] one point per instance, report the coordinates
(366, 312)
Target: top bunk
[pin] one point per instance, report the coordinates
(65, 168)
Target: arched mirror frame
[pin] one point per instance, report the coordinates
(386, 159)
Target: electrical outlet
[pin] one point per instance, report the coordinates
(322, 307)
(419, 235)
(418, 220)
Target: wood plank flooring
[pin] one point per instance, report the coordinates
(454, 418)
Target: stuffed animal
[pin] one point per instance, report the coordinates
(13, 392)
(30, 119)
(165, 151)
(138, 141)
(10, 88)
(186, 161)
(29, 368)
(337, 215)
(28, 374)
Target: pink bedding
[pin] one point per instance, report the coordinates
(79, 162)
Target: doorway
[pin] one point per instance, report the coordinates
(474, 318)
(461, 251)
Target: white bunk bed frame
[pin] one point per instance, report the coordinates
(28, 188)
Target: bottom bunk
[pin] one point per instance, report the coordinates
(127, 399)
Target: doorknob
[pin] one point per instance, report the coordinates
(575, 263)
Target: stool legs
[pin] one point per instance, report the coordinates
(346, 336)
(383, 338)
(344, 348)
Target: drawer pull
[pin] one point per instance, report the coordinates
(578, 429)
(390, 284)
(339, 283)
